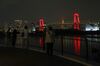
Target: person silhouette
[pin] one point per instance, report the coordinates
(14, 35)
(25, 37)
(49, 40)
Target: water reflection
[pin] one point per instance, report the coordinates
(71, 45)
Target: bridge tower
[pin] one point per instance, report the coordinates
(41, 28)
(76, 38)
(41, 24)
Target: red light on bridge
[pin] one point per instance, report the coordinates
(41, 24)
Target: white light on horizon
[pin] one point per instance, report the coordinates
(91, 28)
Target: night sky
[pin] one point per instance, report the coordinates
(51, 10)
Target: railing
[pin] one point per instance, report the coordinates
(64, 45)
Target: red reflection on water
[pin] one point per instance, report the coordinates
(41, 42)
(77, 45)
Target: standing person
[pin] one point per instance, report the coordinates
(14, 36)
(9, 38)
(25, 37)
(49, 40)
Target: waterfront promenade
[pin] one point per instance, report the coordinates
(23, 57)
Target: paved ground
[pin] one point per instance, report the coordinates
(23, 57)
